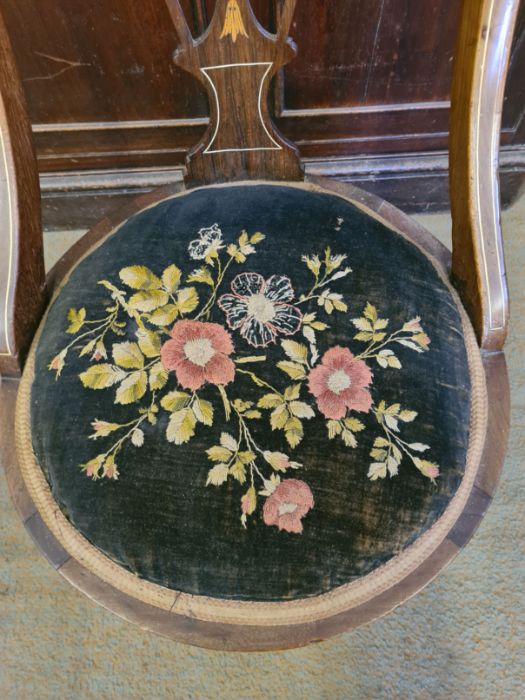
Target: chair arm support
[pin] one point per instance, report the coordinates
(22, 295)
(480, 67)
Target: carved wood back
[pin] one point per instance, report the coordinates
(235, 59)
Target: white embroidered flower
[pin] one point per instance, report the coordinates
(207, 245)
(260, 308)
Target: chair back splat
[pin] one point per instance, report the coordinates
(235, 59)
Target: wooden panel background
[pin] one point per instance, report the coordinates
(366, 99)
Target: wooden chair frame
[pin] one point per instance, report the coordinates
(476, 266)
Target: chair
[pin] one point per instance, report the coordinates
(258, 413)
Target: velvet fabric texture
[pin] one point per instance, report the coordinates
(220, 495)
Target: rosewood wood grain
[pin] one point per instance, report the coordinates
(478, 268)
(21, 260)
(235, 60)
(251, 638)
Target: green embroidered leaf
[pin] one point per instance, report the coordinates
(292, 369)
(393, 410)
(381, 442)
(250, 359)
(203, 411)
(376, 453)
(418, 447)
(295, 351)
(218, 453)
(187, 300)
(250, 415)
(279, 417)
(229, 442)
(164, 316)
(101, 376)
(294, 432)
(246, 457)
(139, 277)
(392, 423)
(301, 409)
(248, 504)
(291, 393)
(257, 237)
(147, 301)
(407, 416)
(171, 278)
(217, 475)
(238, 471)
(364, 336)
(320, 326)
(137, 437)
(362, 324)
(202, 275)
(349, 438)
(376, 471)
(334, 428)
(76, 320)
(410, 344)
(370, 312)
(128, 355)
(132, 388)
(89, 347)
(149, 342)
(174, 400)
(242, 406)
(270, 401)
(181, 427)
(354, 425)
(158, 377)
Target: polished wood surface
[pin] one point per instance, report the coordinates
(252, 638)
(372, 77)
(478, 268)
(235, 60)
(21, 258)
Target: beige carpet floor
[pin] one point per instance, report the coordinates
(460, 638)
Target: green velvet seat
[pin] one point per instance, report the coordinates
(253, 393)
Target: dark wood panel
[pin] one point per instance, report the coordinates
(100, 60)
(371, 77)
(371, 52)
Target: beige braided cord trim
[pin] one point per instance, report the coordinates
(306, 610)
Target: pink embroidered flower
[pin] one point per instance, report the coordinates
(259, 308)
(339, 382)
(290, 502)
(198, 353)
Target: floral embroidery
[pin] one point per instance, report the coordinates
(259, 310)
(179, 360)
(339, 384)
(288, 504)
(199, 354)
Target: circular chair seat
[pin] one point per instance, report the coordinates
(252, 405)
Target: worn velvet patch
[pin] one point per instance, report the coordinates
(296, 511)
